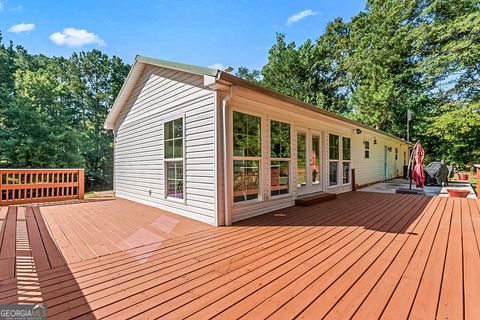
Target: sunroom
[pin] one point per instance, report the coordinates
(276, 158)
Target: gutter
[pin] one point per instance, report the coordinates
(226, 201)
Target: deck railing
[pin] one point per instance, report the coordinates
(477, 168)
(19, 186)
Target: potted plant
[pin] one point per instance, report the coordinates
(463, 175)
(459, 193)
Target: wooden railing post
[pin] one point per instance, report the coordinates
(1, 190)
(81, 183)
(354, 184)
(477, 166)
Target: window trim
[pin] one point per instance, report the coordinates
(233, 157)
(349, 163)
(365, 149)
(289, 160)
(305, 132)
(338, 161)
(321, 160)
(165, 161)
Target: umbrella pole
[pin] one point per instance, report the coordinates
(410, 164)
(410, 175)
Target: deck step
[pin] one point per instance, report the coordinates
(315, 198)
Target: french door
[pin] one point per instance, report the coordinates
(309, 161)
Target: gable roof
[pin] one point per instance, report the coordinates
(140, 62)
(178, 66)
(134, 74)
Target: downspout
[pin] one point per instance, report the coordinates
(226, 201)
(114, 180)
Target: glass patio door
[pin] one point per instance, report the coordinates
(309, 173)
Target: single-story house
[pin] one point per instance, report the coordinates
(211, 146)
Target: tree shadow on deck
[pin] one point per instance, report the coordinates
(42, 274)
(382, 212)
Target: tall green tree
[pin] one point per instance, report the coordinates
(396, 55)
(306, 73)
(40, 128)
(53, 109)
(250, 75)
(447, 44)
(94, 81)
(7, 75)
(381, 65)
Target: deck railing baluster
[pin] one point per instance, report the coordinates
(19, 186)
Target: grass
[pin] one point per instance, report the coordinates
(89, 195)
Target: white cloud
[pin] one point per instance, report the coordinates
(217, 65)
(301, 15)
(22, 27)
(75, 38)
(2, 5)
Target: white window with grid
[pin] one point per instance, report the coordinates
(174, 159)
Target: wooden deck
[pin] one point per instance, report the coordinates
(58, 234)
(364, 255)
(89, 230)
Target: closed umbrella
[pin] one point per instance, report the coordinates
(418, 173)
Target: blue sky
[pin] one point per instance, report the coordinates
(228, 33)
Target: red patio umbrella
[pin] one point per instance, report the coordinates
(418, 173)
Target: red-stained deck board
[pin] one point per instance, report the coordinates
(364, 255)
(294, 250)
(403, 284)
(450, 305)
(3, 215)
(8, 245)
(55, 257)
(351, 267)
(379, 293)
(426, 298)
(227, 229)
(396, 260)
(173, 264)
(36, 243)
(98, 228)
(74, 240)
(85, 233)
(471, 261)
(256, 241)
(325, 254)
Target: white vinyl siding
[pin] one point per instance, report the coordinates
(372, 169)
(162, 95)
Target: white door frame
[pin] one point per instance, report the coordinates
(317, 187)
(309, 187)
